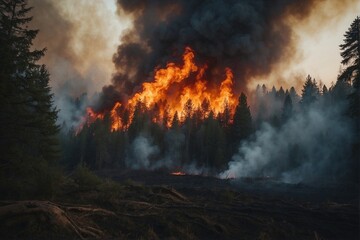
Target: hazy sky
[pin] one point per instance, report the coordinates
(318, 47)
(320, 51)
(95, 37)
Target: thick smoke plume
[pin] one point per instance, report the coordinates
(313, 145)
(250, 37)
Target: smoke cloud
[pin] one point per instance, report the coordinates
(313, 145)
(144, 154)
(244, 36)
(250, 37)
(80, 37)
(254, 38)
(141, 152)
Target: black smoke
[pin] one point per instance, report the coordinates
(250, 37)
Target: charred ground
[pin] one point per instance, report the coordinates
(158, 205)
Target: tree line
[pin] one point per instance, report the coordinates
(32, 145)
(202, 139)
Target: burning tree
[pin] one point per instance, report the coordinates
(176, 88)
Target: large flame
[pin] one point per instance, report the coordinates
(174, 89)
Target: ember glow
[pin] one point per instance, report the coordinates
(178, 173)
(173, 89)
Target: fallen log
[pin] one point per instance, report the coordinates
(43, 219)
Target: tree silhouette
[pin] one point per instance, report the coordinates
(350, 53)
(175, 124)
(28, 129)
(310, 92)
(242, 126)
(287, 110)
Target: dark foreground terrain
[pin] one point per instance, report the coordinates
(157, 205)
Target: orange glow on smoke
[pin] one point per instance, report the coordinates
(172, 88)
(92, 115)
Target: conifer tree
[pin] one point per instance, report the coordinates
(287, 108)
(325, 90)
(242, 126)
(350, 53)
(294, 96)
(175, 124)
(28, 127)
(188, 110)
(310, 92)
(280, 94)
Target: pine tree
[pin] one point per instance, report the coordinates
(188, 110)
(215, 143)
(125, 119)
(242, 125)
(325, 90)
(350, 53)
(139, 120)
(188, 129)
(28, 127)
(280, 94)
(175, 123)
(293, 95)
(273, 92)
(310, 92)
(205, 108)
(225, 117)
(264, 90)
(166, 116)
(287, 110)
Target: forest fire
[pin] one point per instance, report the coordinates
(179, 173)
(175, 92)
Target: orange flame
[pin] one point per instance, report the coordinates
(178, 173)
(176, 85)
(115, 117)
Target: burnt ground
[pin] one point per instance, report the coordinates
(341, 193)
(157, 205)
(257, 208)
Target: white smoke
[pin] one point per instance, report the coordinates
(144, 154)
(312, 145)
(140, 153)
(174, 142)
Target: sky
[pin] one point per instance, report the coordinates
(85, 55)
(320, 52)
(318, 48)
